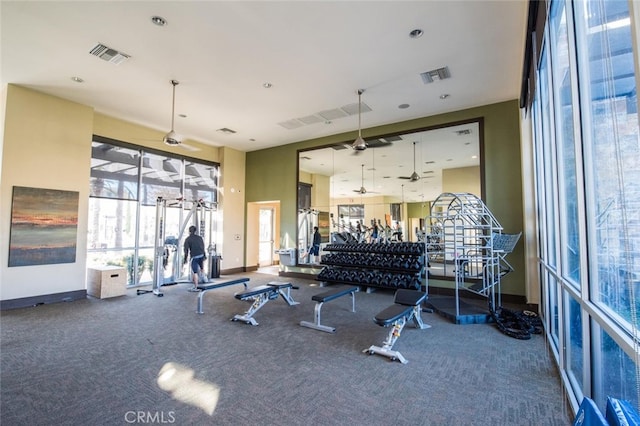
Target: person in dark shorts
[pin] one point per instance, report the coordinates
(194, 247)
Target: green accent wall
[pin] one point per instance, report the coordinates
(271, 173)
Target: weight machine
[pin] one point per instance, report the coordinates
(164, 246)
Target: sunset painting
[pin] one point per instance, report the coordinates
(44, 226)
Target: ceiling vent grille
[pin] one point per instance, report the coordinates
(437, 74)
(352, 109)
(108, 54)
(291, 124)
(326, 116)
(226, 130)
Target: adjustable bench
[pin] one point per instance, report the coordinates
(328, 296)
(406, 307)
(212, 285)
(260, 296)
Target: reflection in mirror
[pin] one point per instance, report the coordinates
(383, 194)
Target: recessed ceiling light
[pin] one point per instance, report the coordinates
(403, 106)
(417, 33)
(267, 85)
(444, 96)
(159, 21)
(77, 79)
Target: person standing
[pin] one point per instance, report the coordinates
(315, 247)
(194, 247)
(374, 232)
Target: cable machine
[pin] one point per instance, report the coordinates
(164, 246)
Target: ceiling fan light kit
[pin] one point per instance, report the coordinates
(359, 144)
(172, 138)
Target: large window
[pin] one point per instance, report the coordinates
(585, 117)
(126, 185)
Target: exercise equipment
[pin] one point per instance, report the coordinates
(328, 296)
(467, 243)
(260, 296)
(212, 285)
(165, 245)
(406, 307)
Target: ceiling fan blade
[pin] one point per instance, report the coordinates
(189, 147)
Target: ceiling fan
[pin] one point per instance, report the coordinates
(362, 189)
(359, 144)
(172, 138)
(414, 176)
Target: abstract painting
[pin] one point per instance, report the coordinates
(44, 226)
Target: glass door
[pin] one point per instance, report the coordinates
(265, 243)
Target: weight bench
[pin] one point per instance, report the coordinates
(260, 296)
(328, 296)
(212, 285)
(406, 307)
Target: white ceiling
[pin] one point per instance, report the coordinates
(316, 55)
(384, 170)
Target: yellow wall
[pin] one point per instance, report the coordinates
(47, 144)
(462, 179)
(232, 198)
(320, 191)
(121, 130)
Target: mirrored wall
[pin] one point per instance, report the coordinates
(383, 194)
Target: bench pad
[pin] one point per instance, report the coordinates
(254, 291)
(409, 297)
(393, 313)
(334, 293)
(219, 284)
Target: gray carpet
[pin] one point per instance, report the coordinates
(98, 362)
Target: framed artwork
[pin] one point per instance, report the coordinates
(44, 226)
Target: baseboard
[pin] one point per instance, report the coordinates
(25, 302)
(233, 271)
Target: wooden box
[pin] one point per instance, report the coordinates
(106, 281)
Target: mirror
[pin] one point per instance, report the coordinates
(390, 185)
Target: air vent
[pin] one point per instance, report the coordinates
(311, 119)
(341, 147)
(437, 74)
(326, 116)
(226, 131)
(352, 109)
(108, 54)
(332, 114)
(291, 124)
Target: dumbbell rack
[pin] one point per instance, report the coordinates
(375, 265)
